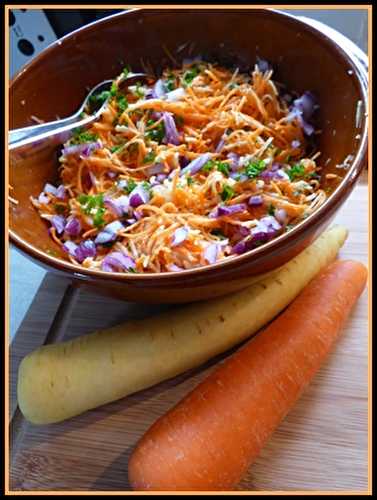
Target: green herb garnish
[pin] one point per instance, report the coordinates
(296, 171)
(189, 75)
(170, 83)
(254, 168)
(218, 233)
(122, 103)
(210, 165)
(93, 205)
(149, 157)
(139, 91)
(126, 71)
(146, 185)
(227, 193)
(223, 168)
(59, 209)
(113, 89)
(157, 133)
(98, 219)
(100, 98)
(81, 136)
(190, 181)
(116, 148)
(131, 184)
(271, 209)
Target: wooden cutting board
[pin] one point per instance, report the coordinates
(321, 445)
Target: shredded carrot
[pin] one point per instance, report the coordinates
(238, 120)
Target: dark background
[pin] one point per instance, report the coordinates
(63, 21)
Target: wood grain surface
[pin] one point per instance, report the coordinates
(321, 445)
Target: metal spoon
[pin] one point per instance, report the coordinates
(59, 130)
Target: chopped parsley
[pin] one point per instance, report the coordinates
(189, 75)
(296, 171)
(223, 168)
(81, 136)
(146, 185)
(98, 219)
(271, 209)
(219, 165)
(170, 83)
(218, 233)
(59, 209)
(93, 205)
(149, 157)
(126, 71)
(116, 148)
(227, 193)
(131, 184)
(157, 133)
(254, 168)
(190, 181)
(210, 165)
(100, 98)
(139, 91)
(113, 89)
(122, 103)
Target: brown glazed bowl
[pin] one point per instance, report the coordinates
(304, 58)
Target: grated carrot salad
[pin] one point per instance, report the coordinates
(198, 166)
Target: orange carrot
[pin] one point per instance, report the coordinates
(209, 439)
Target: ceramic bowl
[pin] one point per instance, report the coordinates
(304, 58)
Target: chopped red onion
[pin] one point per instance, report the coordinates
(240, 247)
(117, 262)
(58, 221)
(139, 196)
(93, 179)
(179, 236)
(264, 231)
(211, 252)
(303, 109)
(73, 226)
(295, 144)
(138, 215)
(86, 249)
(238, 177)
(131, 221)
(183, 161)
(281, 216)
(43, 199)
(108, 233)
(256, 201)
(119, 206)
(61, 192)
(111, 174)
(235, 161)
(175, 95)
(195, 165)
(84, 150)
(174, 268)
(158, 90)
(156, 169)
(70, 247)
(230, 209)
(274, 172)
(263, 65)
(171, 132)
(161, 177)
(49, 188)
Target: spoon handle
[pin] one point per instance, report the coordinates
(27, 135)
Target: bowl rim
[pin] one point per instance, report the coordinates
(334, 199)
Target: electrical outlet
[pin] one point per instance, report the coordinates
(30, 33)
